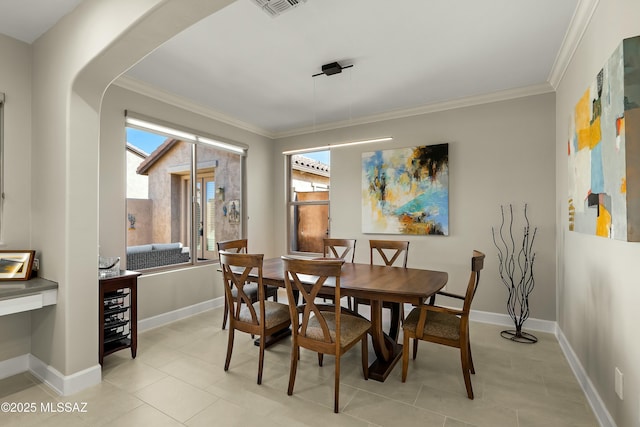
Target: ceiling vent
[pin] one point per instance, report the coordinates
(277, 7)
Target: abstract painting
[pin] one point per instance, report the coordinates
(406, 190)
(604, 150)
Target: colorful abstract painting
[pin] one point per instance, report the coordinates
(406, 190)
(604, 150)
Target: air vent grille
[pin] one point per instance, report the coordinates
(277, 7)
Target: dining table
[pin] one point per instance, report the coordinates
(379, 284)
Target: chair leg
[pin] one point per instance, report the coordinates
(295, 354)
(464, 356)
(472, 369)
(336, 397)
(349, 304)
(405, 355)
(261, 359)
(226, 313)
(365, 357)
(229, 349)
(415, 348)
(320, 358)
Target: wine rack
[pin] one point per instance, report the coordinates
(118, 313)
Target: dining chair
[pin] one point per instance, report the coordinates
(342, 249)
(444, 325)
(240, 246)
(259, 317)
(391, 253)
(322, 328)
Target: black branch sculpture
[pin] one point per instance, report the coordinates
(515, 266)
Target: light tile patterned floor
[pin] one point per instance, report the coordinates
(178, 380)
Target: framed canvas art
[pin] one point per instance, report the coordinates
(16, 265)
(406, 190)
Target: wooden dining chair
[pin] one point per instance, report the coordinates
(259, 317)
(240, 246)
(446, 326)
(322, 328)
(341, 249)
(391, 253)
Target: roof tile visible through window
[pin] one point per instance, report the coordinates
(306, 164)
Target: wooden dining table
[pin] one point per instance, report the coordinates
(378, 284)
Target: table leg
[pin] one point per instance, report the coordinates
(395, 321)
(387, 350)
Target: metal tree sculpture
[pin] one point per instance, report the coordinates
(516, 272)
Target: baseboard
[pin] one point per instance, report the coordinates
(181, 313)
(590, 392)
(14, 366)
(506, 321)
(61, 384)
(65, 384)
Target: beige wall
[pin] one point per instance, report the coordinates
(598, 287)
(142, 210)
(70, 74)
(137, 185)
(15, 83)
(499, 153)
(163, 292)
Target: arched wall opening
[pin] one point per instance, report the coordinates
(73, 65)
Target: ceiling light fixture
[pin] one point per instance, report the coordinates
(331, 69)
(339, 145)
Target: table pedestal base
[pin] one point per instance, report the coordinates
(380, 370)
(272, 339)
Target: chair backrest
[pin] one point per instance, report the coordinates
(477, 263)
(340, 248)
(234, 246)
(389, 250)
(307, 277)
(235, 269)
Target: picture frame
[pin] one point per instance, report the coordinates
(16, 264)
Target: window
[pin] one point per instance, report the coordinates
(308, 201)
(183, 195)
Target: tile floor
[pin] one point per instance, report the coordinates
(178, 380)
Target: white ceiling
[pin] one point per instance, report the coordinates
(245, 65)
(27, 20)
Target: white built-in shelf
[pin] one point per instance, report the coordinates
(32, 294)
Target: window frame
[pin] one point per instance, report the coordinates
(195, 138)
(291, 204)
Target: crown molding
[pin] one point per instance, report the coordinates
(470, 101)
(577, 27)
(146, 89)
